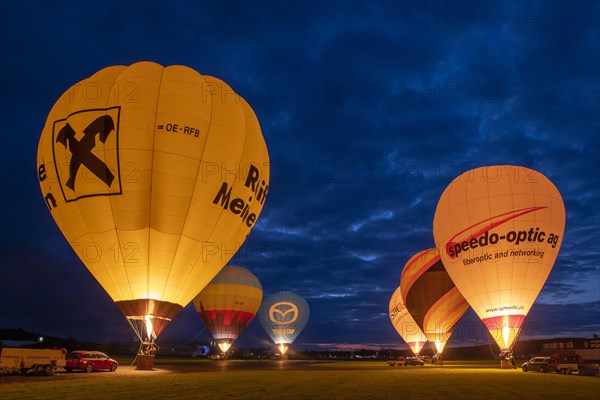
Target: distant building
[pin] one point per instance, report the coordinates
(589, 349)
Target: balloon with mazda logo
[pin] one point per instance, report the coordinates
(498, 230)
(283, 315)
(155, 176)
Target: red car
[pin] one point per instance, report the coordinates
(89, 361)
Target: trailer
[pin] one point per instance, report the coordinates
(32, 361)
(567, 363)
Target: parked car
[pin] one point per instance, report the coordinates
(396, 362)
(414, 361)
(425, 359)
(540, 364)
(89, 361)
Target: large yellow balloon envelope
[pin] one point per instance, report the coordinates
(404, 323)
(155, 175)
(499, 229)
(228, 304)
(431, 297)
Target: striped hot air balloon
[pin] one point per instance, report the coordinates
(431, 297)
(228, 304)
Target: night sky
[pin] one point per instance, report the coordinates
(369, 110)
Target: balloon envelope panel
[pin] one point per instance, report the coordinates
(155, 175)
(499, 230)
(229, 302)
(283, 315)
(404, 323)
(431, 297)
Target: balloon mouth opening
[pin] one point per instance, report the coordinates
(283, 348)
(225, 346)
(504, 329)
(506, 336)
(438, 346)
(416, 347)
(148, 317)
(149, 328)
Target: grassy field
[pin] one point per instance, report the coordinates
(335, 380)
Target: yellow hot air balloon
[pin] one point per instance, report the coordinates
(155, 175)
(498, 230)
(404, 323)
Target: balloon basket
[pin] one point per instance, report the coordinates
(145, 362)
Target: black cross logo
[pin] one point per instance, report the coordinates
(82, 150)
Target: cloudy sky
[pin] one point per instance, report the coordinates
(369, 110)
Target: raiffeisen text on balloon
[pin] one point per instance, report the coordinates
(238, 205)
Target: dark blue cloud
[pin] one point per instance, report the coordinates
(369, 110)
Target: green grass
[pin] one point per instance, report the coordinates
(338, 380)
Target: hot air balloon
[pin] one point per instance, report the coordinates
(155, 176)
(431, 297)
(228, 304)
(499, 229)
(404, 323)
(283, 315)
